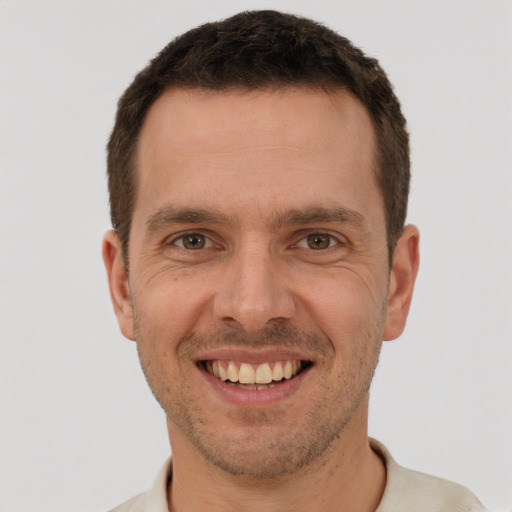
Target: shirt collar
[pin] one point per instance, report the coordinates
(156, 497)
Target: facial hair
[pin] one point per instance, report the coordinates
(270, 442)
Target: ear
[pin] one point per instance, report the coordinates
(118, 283)
(406, 260)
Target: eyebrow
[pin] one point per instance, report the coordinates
(176, 215)
(318, 214)
(170, 214)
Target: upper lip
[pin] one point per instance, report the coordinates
(251, 356)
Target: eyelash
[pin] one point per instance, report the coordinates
(303, 243)
(176, 241)
(333, 241)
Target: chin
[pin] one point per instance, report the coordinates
(272, 459)
(262, 449)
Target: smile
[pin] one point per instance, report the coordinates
(255, 376)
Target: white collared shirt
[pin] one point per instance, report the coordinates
(406, 491)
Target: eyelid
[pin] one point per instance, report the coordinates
(301, 238)
(174, 239)
(337, 238)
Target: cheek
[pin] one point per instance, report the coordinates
(171, 304)
(342, 294)
(344, 308)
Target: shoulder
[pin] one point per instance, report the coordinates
(135, 504)
(155, 499)
(411, 490)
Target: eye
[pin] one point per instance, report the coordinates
(193, 241)
(318, 241)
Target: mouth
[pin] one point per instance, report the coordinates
(252, 377)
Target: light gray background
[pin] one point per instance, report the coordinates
(79, 430)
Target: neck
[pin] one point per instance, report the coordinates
(348, 476)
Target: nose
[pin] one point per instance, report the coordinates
(253, 293)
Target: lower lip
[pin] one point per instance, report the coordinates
(249, 398)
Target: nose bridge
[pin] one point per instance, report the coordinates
(252, 293)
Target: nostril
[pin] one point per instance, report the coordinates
(253, 296)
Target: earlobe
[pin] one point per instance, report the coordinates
(401, 285)
(118, 283)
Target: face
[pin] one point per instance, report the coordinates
(259, 288)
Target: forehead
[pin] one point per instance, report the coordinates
(294, 115)
(205, 146)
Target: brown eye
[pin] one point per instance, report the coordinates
(192, 241)
(319, 241)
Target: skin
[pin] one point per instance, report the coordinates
(253, 176)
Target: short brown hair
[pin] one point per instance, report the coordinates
(260, 50)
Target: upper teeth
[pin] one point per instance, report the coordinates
(247, 373)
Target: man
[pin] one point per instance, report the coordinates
(258, 177)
